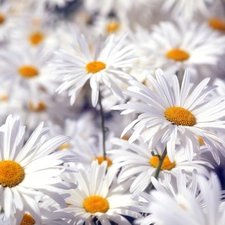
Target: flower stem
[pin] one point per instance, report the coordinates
(102, 125)
(157, 171)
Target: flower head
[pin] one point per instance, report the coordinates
(171, 114)
(104, 67)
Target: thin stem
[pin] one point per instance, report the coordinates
(157, 171)
(102, 125)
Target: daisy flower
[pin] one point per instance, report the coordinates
(138, 162)
(35, 28)
(31, 170)
(45, 108)
(99, 197)
(87, 152)
(173, 113)
(102, 67)
(27, 69)
(178, 46)
(50, 214)
(205, 205)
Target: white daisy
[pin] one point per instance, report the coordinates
(36, 28)
(139, 162)
(187, 206)
(50, 214)
(43, 109)
(102, 67)
(178, 46)
(170, 114)
(30, 170)
(28, 70)
(99, 197)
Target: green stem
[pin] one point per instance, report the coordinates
(102, 125)
(157, 171)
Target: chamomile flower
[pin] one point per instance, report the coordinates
(99, 197)
(103, 67)
(43, 109)
(28, 70)
(31, 170)
(178, 46)
(172, 114)
(205, 205)
(137, 161)
(50, 214)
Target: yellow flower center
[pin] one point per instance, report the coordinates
(64, 146)
(217, 24)
(177, 54)
(11, 173)
(180, 116)
(112, 26)
(201, 141)
(95, 204)
(95, 66)
(2, 18)
(28, 71)
(101, 159)
(27, 220)
(4, 98)
(37, 108)
(36, 38)
(166, 165)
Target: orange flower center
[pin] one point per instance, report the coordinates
(37, 108)
(101, 159)
(95, 66)
(217, 24)
(11, 173)
(28, 71)
(36, 38)
(177, 54)
(112, 26)
(64, 146)
(2, 18)
(27, 220)
(180, 116)
(95, 204)
(166, 165)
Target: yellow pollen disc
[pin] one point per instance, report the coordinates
(2, 18)
(180, 116)
(217, 24)
(11, 173)
(101, 159)
(177, 54)
(112, 27)
(36, 38)
(27, 220)
(28, 71)
(166, 165)
(64, 146)
(4, 98)
(37, 108)
(126, 137)
(201, 141)
(95, 204)
(95, 66)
